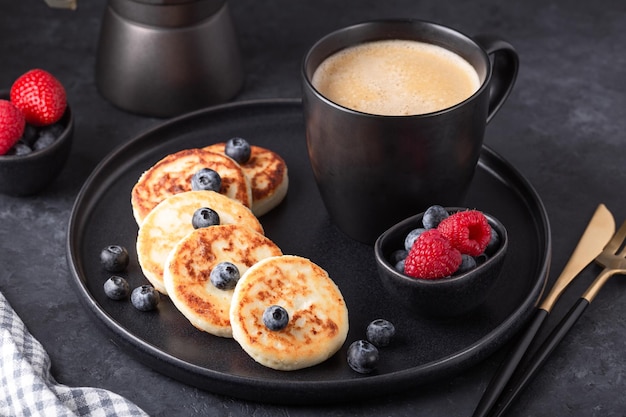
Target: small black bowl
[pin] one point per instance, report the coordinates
(22, 175)
(438, 298)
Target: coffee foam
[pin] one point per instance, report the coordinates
(396, 77)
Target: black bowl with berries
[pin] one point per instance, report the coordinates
(36, 139)
(442, 263)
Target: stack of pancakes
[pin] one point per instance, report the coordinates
(177, 259)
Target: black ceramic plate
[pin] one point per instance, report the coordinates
(422, 351)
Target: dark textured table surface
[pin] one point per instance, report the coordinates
(562, 127)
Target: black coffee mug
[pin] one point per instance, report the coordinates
(373, 171)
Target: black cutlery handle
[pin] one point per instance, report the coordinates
(539, 358)
(506, 369)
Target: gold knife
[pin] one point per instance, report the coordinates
(595, 237)
(598, 233)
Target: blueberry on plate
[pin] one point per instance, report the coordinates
(380, 332)
(224, 275)
(363, 356)
(205, 217)
(206, 179)
(239, 149)
(114, 258)
(145, 298)
(433, 216)
(116, 288)
(275, 317)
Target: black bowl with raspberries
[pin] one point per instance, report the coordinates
(442, 263)
(36, 139)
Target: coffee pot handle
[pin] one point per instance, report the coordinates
(505, 64)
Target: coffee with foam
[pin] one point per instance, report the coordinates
(396, 78)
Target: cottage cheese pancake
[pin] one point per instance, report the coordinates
(188, 268)
(318, 316)
(170, 221)
(267, 173)
(172, 175)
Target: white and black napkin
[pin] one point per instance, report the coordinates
(28, 389)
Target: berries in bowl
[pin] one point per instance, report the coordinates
(36, 131)
(443, 262)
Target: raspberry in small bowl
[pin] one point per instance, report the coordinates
(36, 139)
(443, 262)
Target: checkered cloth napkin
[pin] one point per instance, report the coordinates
(28, 389)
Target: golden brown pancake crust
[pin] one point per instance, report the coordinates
(172, 175)
(318, 316)
(188, 269)
(170, 221)
(267, 173)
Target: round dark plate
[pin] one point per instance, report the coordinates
(422, 351)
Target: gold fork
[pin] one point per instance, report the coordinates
(614, 262)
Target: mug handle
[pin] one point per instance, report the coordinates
(505, 64)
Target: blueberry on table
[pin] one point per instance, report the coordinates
(205, 217)
(363, 356)
(206, 179)
(224, 275)
(145, 298)
(114, 258)
(238, 149)
(380, 332)
(116, 288)
(275, 317)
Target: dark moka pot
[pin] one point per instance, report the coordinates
(167, 57)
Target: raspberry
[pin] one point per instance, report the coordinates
(11, 125)
(40, 96)
(468, 231)
(432, 256)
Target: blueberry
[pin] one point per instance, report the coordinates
(30, 135)
(433, 216)
(398, 255)
(45, 139)
(411, 237)
(467, 264)
(399, 266)
(116, 288)
(363, 356)
(145, 298)
(205, 217)
(206, 179)
(238, 149)
(114, 258)
(494, 242)
(55, 129)
(20, 149)
(380, 332)
(224, 276)
(275, 318)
